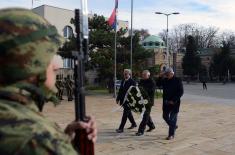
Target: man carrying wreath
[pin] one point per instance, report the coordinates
(148, 86)
(126, 83)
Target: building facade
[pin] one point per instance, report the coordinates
(156, 44)
(61, 18)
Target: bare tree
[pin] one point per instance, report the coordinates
(205, 37)
(227, 37)
(144, 33)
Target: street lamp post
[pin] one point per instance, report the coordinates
(167, 46)
(131, 35)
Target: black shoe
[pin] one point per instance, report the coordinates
(132, 126)
(70, 99)
(139, 133)
(150, 129)
(119, 130)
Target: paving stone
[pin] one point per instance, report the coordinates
(205, 128)
(228, 148)
(219, 152)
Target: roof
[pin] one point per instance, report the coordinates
(152, 42)
(50, 6)
(206, 51)
(153, 38)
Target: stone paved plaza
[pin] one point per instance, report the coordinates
(206, 124)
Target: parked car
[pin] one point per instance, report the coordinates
(118, 84)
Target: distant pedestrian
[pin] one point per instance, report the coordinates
(203, 80)
(224, 80)
(126, 83)
(172, 92)
(204, 85)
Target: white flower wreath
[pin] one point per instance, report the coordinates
(136, 99)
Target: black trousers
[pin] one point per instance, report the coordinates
(204, 85)
(170, 116)
(147, 120)
(126, 114)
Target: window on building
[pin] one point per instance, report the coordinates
(68, 31)
(150, 43)
(157, 43)
(145, 44)
(68, 63)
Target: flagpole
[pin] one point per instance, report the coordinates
(131, 35)
(115, 61)
(115, 52)
(32, 5)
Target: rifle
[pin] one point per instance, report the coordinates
(81, 143)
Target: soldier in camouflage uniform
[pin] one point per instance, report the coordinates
(69, 87)
(60, 87)
(27, 78)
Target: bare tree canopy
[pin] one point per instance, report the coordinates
(205, 37)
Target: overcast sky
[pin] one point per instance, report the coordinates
(218, 13)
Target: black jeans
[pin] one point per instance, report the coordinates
(147, 120)
(204, 85)
(170, 117)
(126, 114)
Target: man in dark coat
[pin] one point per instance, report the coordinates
(125, 85)
(172, 92)
(149, 87)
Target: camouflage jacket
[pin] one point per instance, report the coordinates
(23, 130)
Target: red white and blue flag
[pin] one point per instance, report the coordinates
(112, 21)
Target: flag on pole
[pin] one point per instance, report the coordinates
(112, 21)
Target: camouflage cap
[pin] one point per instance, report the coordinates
(27, 43)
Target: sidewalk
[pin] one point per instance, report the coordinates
(204, 128)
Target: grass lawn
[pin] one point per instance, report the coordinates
(158, 93)
(97, 90)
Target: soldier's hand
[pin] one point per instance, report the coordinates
(89, 126)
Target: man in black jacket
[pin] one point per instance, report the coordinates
(125, 85)
(172, 92)
(149, 87)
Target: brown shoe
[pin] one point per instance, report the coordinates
(170, 138)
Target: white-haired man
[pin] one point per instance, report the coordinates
(125, 85)
(148, 85)
(172, 92)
